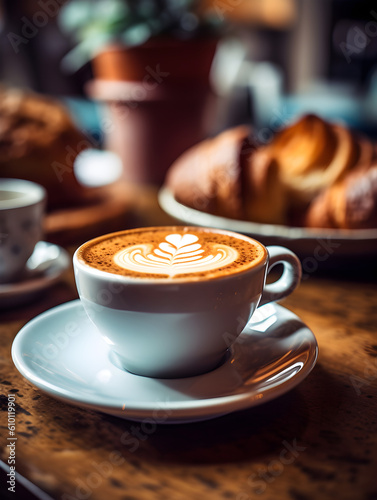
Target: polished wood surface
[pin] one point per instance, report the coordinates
(317, 442)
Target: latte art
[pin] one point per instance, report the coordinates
(172, 253)
(178, 254)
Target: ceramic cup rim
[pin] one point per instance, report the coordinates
(105, 275)
(31, 193)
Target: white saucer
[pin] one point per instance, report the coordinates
(46, 265)
(61, 353)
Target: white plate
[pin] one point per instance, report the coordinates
(320, 243)
(43, 269)
(61, 353)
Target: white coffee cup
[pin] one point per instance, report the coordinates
(179, 328)
(22, 205)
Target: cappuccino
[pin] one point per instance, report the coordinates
(188, 253)
(166, 300)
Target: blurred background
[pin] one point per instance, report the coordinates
(323, 51)
(148, 79)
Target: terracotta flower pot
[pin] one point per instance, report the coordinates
(156, 96)
(188, 60)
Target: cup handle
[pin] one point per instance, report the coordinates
(290, 278)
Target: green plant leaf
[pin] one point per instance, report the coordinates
(94, 23)
(136, 35)
(74, 15)
(83, 52)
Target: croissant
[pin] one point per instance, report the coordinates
(208, 176)
(312, 154)
(349, 204)
(39, 142)
(312, 173)
(220, 176)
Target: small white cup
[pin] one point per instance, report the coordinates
(22, 205)
(178, 328)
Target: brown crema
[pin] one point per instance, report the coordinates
(184, 253)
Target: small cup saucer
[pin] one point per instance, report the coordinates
(62, 353)
(44, 268)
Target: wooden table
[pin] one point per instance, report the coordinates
(329, 422)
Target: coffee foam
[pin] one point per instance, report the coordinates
(172, 252)
(178, 254)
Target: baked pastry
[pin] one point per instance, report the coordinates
(222, 176)
(312, 173)
(351, 203)
(208, 175)
(312, 154)
(39, 142)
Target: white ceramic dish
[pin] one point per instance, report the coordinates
(43, 269)
(62, 353)
(305, 242)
